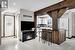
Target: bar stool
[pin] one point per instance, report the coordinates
(39, 32)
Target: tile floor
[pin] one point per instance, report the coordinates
(15, 44)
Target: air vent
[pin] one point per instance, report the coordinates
(27, 16)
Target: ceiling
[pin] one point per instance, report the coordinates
(32, 5)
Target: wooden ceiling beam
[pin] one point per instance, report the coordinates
(60, 5)
(60, 12)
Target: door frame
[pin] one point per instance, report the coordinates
(4, 25)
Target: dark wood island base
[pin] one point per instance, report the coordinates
(56, 37)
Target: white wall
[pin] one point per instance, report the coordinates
(67, 23)
(64, 24)
(25, 12)
(17, 23)
(73, 23)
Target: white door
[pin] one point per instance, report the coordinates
(9, 25)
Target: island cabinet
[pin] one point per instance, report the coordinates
(56, 37)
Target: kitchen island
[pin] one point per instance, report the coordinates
(53, 36)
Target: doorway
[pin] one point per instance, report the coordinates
(9, 26)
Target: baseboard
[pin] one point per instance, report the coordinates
(73, 37)
(69, 37)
